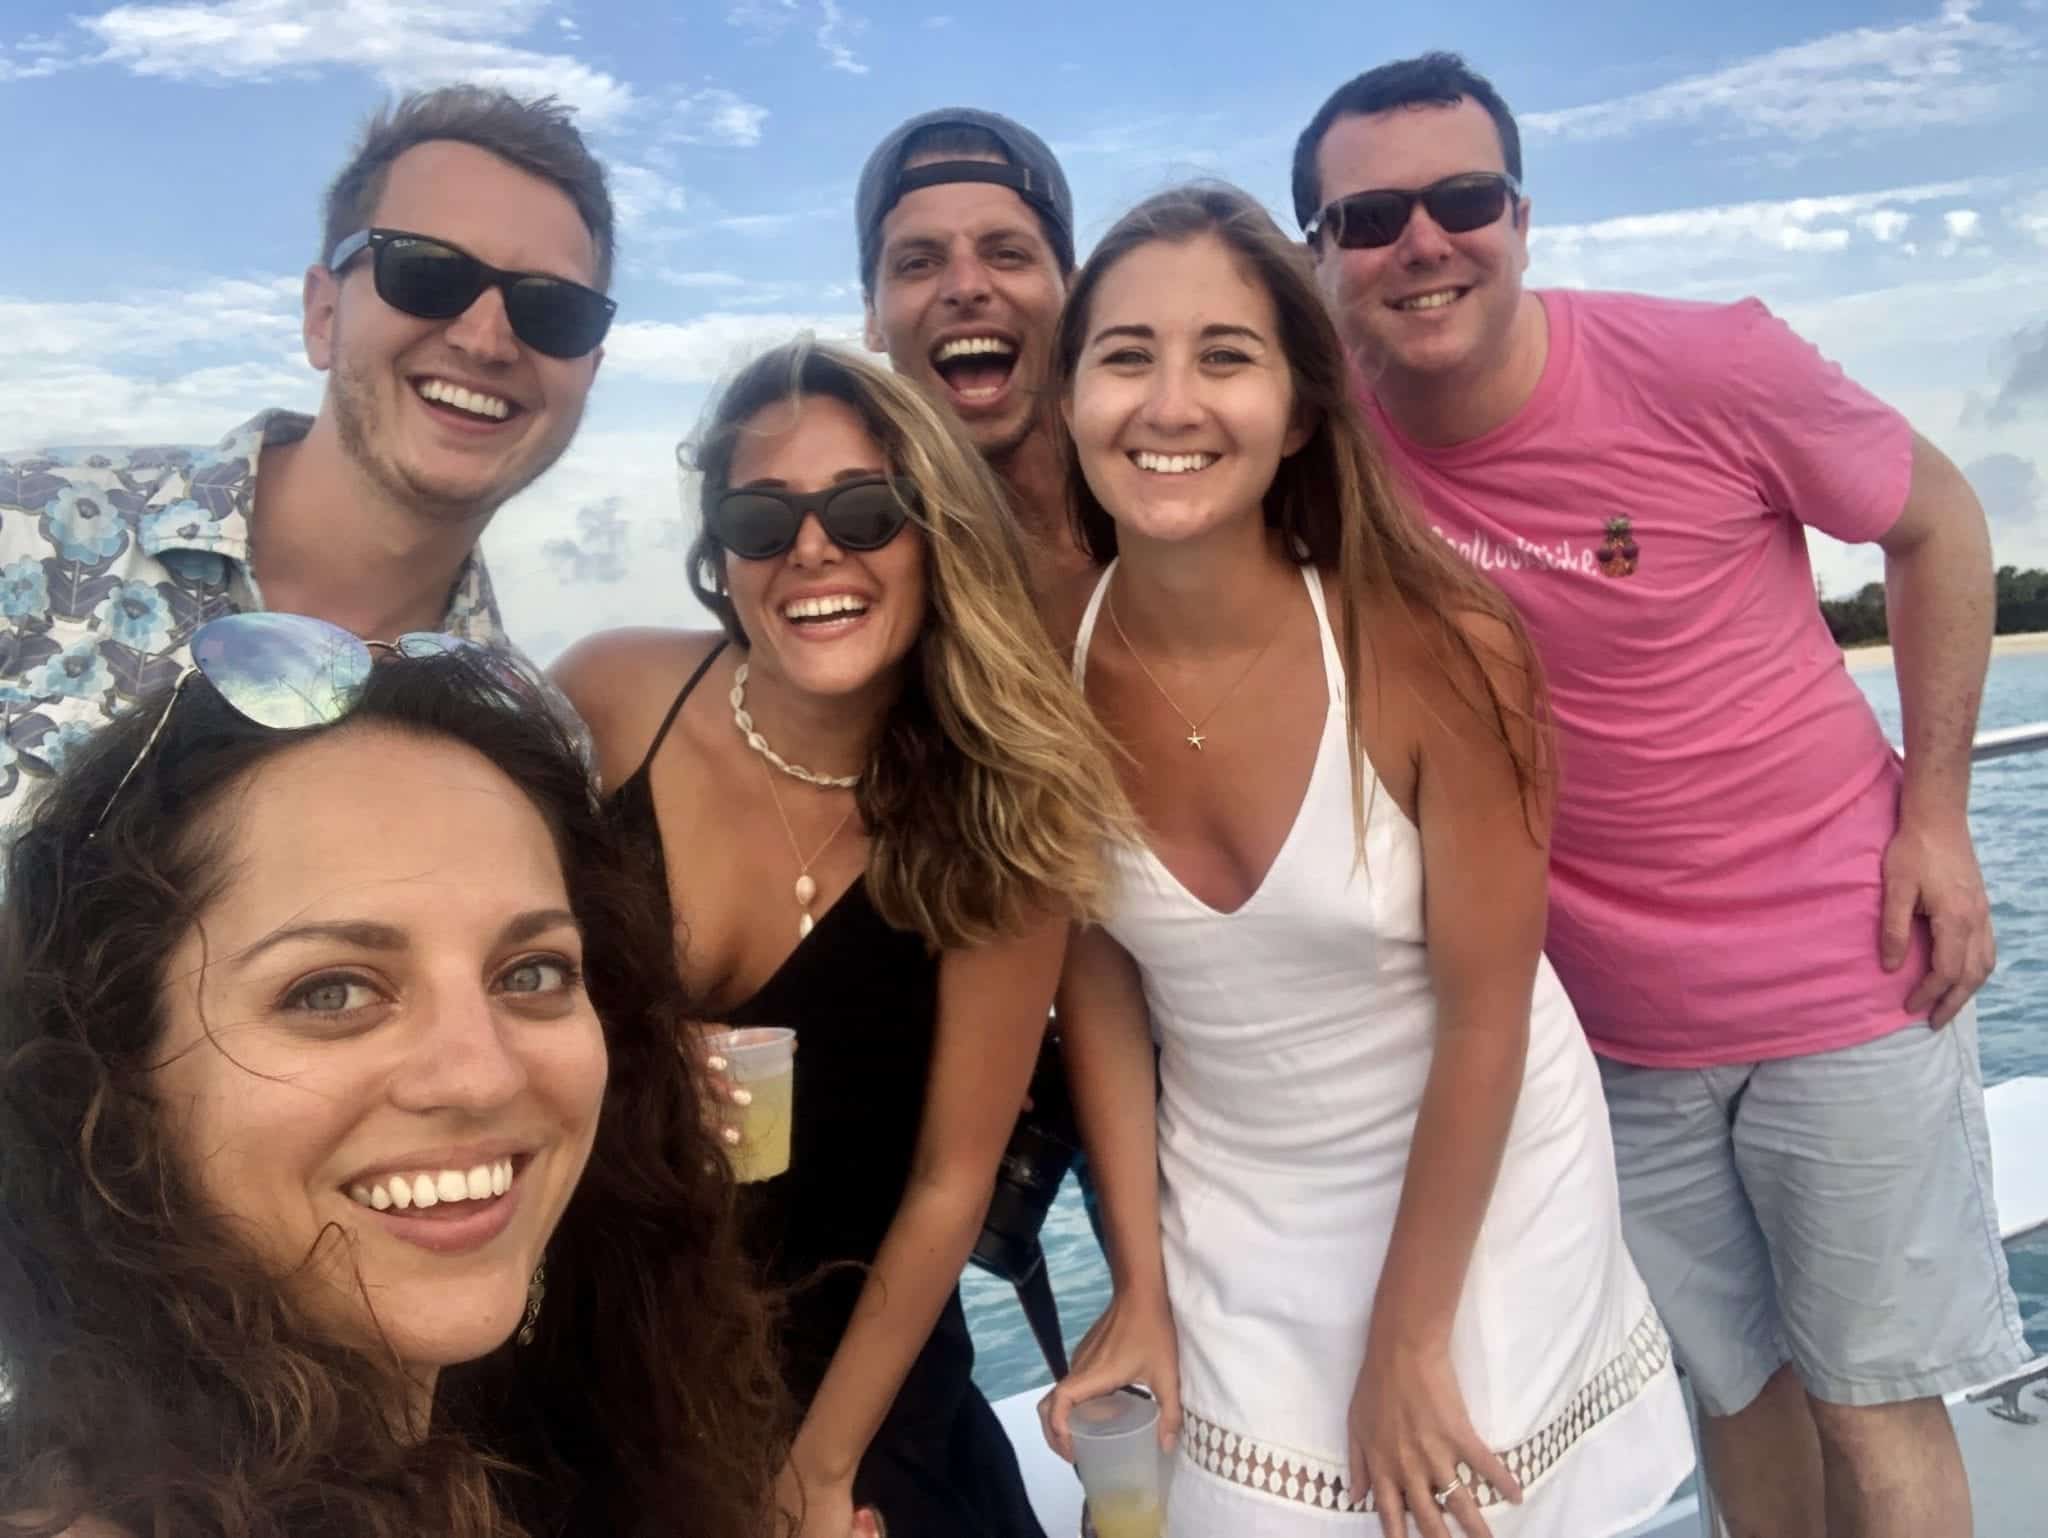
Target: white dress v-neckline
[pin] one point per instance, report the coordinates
(1326, 747)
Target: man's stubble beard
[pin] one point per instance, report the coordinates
(355, 413)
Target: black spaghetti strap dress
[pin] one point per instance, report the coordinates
(863, 999)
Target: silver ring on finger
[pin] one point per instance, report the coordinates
(1442, 1496)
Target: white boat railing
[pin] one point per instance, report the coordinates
(2011, 740)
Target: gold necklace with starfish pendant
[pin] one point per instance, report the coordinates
(1195, 737)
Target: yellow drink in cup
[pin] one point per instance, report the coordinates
(763, 1062)
(1127, 1514)
(1117, 1455)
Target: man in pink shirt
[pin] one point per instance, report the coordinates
(1771, 928)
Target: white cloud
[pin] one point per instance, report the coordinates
(708, 348)
(1792, 224)
(642, 196)
(1965, 228)
(1885, 225)
(703, 279)
(730, 290)
(768, 20)
(836, 26)
(2031, 217)
(71, 401)
(228, 312)
(1951, 68)
(775, 224)
(170, 365)
(713, 115)
(35, 58)
(598, 542)
(404, 43)
(935, 23)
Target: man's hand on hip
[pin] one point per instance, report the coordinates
(1934, 871)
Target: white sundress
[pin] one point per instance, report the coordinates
(1295, 1035)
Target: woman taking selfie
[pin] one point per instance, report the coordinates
(875, 801)
(1372, 1259)
(353, 1185)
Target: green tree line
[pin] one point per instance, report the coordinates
(1860, 621)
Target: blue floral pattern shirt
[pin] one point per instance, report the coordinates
(109, 560)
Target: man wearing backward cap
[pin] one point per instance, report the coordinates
(966, 243)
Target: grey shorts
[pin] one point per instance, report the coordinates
(1833, 1211)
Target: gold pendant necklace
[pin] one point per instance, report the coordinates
(1195, 737)
(806, 889)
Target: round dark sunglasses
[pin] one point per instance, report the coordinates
(433, 280)
(755, 522)
(1458, 204)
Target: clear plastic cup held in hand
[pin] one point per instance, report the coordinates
(1116, 1453)
(762, 1061)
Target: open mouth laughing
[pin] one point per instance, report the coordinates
(976, 369)
(825, 613)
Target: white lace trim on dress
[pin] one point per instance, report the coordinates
(1307, 1480)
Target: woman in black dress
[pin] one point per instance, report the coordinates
(876, 802)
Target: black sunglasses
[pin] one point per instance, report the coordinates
(1458, 204)
(433, 280)
(755, 523)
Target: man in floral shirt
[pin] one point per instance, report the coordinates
(368, 514)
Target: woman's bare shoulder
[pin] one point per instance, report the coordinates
(622, 682)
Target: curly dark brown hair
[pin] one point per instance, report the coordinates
(158, 1378)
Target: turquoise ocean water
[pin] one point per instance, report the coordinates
(2009, 811)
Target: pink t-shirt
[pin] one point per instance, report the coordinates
(1727, 793)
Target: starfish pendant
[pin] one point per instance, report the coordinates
(1196, 739)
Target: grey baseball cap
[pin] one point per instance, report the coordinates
(1032, 173)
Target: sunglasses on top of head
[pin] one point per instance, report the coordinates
(758, 522)
(1458, 204)
(432, 280)
(290, 672)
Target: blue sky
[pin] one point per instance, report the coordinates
(1876, 171)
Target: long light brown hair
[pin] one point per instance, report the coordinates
(1333, 502)
(990, 793)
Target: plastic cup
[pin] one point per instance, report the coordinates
(1116, 1453)
(762, 1061)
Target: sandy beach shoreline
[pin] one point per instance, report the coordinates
(1862, 659)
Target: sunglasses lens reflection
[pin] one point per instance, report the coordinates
(284, 671)
(559, 319)
(1461, 206)
(754, 525)
(1371, 219)
(428, 280)
(864, 517)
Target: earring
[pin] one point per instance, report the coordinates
(535, 1291)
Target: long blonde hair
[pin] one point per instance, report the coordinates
(991, 793)
(1333, 502)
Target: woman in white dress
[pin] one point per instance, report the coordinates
(1370, 1258)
